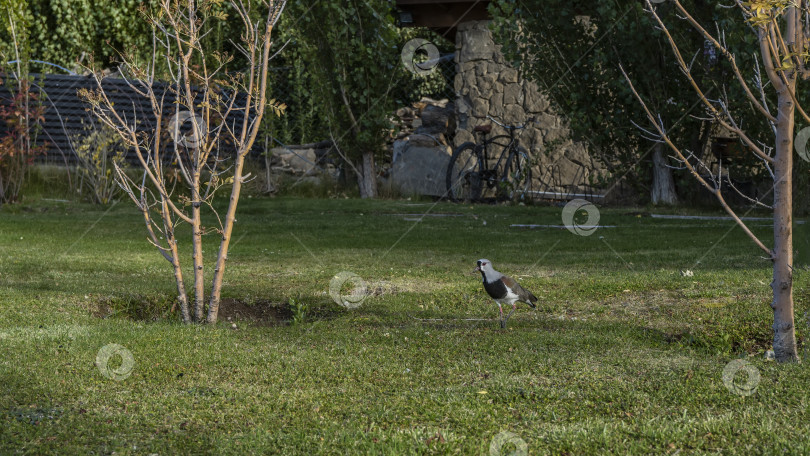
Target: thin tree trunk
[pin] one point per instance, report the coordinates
(368, 179)
(784, 330)
(171, 240)
(247, 139)
(227, 229)
(269, 187)
(182, 296)
(663, 188)
(197, 256)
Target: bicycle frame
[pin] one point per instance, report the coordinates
(512, 147)
(469, 171)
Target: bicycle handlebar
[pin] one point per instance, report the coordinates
(512, 127)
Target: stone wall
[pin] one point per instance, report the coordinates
(486, 85)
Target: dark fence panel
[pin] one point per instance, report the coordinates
(67, 116)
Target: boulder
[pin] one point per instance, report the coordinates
(423, 140)
(421, 170)
(508, 75)
(512, 94)
(399, 146)
(477, 44)
(297, 161)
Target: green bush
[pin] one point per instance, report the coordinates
(98, 151)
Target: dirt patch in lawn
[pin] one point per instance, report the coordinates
(259, 313)
(156, 308)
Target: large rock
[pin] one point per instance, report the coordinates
(399, 146)
(422, 140)
(534, 101)
(296, 161)
(463, 136)
(477, 44)
(421, 170)
(480, 107)
(512, 94)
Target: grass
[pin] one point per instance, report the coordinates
(624, 355)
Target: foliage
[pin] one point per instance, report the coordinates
(351, 48)
(99, 151)
(292, 82)
(573, 50)
(437, 84)
(21, 118)
(299, 309)
(20, 110)
(64, 31)
(15, 31)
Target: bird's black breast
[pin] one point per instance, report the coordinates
(496, 289)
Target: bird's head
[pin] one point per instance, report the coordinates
(483, 267)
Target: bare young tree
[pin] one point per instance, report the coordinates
(224, 111)
(783, 34)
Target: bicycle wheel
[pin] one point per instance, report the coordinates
(464, 174)
(516, 181)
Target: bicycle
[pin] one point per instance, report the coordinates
(470, 176)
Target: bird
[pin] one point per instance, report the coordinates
(503, 289)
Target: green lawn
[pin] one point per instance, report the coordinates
(623, 355)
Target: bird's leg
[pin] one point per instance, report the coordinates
(514, 307)
(503, 322)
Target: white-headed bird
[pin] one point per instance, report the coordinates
(504, 289)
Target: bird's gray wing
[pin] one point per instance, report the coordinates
(524, 295)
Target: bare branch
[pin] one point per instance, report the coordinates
(756, 202)
(713, 189)
(728, 55)
(701, 95)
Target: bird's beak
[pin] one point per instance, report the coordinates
(477, 269)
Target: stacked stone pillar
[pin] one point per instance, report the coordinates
(486, 84)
